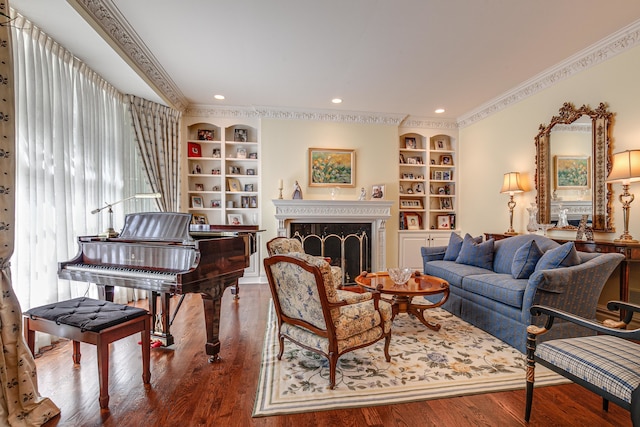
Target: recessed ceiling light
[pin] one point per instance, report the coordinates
(337, 100)
(439, 110)
(220, 97)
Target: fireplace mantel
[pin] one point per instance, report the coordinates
(375, 212)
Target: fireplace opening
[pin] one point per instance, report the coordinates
(348, 245)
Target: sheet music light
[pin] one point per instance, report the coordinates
(110, 232)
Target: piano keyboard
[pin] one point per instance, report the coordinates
(123, 271)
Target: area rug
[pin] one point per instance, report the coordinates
(458, 360)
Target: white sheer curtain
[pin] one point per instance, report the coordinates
(76, 152)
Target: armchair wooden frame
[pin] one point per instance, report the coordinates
(329, 333)
(607, 328)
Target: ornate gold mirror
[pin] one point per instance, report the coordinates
(573, 160)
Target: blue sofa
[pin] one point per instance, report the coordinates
(494, 283)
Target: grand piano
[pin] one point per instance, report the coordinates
(155, 252)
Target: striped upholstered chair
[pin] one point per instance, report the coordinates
(311, 314)
(607, 364)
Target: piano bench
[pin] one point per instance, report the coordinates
(94, 322)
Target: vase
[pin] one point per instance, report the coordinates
(532, 226)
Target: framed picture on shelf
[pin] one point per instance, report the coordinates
(377, 191)
(332, 167)
(233, 184)
(196, 202)
(437, 175)
(401, 159)
(441, 144)
(410, 143)
(215, 171)
(446, 175)
(248, 187)
(251, 171)
(240, 135)
(411, 204)
(253, 201)
(196, 169)
(446, 203)
(234, 219)
(241, 153)
(452, 221)
(444, 222)
(418, 188)
(412, 221)
(446, 159)
(216, 153)
(199, 187)
(198, 219)
(195, 150)
(205, 134)
(253, 155)
(215, 203)
(572, 172)
(244, 202)
(235, 170)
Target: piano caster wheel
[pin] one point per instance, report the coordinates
(215, 358)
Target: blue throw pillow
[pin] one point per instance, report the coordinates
(455, 244)
(563, 256)
(525, 260)
(476, 254)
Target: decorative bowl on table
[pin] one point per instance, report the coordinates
(400, 276)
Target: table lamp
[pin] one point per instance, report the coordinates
(511, 185)
(625, 170)
(110, 232)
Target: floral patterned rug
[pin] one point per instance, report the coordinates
(460, 359)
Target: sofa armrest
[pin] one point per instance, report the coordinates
(433, 253)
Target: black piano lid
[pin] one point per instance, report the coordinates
(161, 226)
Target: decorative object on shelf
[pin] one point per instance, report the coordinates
(297, 191)
(240, 135)
(572, 172)
(110, 232)
(332, 167)
(195, 150)
(233, 184)
(241, 153)
(412, 221)
(544, 228)
(562, 217)
(625, 170)
(215, 203)
(511, 185)
(334, 192)
(363, 194)
(444, 222)
(400, 276)
(215, 171)
(196, 169)
(446, 159)
(234, 219)
(377, 191)
(198, 219)
(582, 227)
(205, 135)
(532, 226)
(410, 143)
(280, 188)
(199, 187)
(196, 202)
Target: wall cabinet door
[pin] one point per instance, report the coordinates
(409, 245)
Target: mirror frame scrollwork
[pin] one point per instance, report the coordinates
(601, 120)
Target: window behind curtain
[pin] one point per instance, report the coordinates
(75, 152)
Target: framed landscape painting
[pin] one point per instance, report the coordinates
(572, 172)
(332, 167)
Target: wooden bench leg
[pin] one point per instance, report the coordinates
(103, 372)
(29, 335)
(76, 352)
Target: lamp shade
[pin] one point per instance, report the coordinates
(626, 167)
(511, 183)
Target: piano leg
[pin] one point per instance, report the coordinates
(160, 328)
(212, 305)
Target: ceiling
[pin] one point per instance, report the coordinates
(380, 56)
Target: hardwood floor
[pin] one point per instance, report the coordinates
(186, 390)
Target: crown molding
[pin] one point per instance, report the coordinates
(619, 42)
(428, 123)
(107, 20)
(293, 114)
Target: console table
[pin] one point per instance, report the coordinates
(631, 252)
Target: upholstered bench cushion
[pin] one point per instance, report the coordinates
(86, 313)
(610, 363)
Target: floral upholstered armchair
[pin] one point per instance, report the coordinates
(285, 245)
(312, 315)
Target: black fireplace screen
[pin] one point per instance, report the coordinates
(347, 245)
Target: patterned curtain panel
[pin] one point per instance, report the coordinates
(21, 404)
(158, 134)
